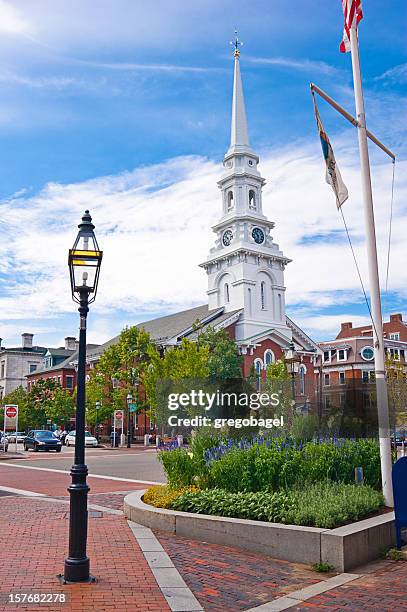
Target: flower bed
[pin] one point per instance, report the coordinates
(325, 505)
(272, 463)
(275, 479)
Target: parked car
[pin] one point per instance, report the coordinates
(3, 442)
(42, 439)
(20, 436)
(89, 439)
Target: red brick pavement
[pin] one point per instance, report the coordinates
(382, 590)
(56, 483)
(226, 579)
(36, 531)
(108, 500)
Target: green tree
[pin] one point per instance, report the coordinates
(224, 361)
(120, 367)
(19, 397)
(190, 361)
(62, 406)
(278, 380)
(397, 392)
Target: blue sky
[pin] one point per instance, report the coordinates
(125, 105)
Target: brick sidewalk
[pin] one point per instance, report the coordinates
(36, 535)
(383, 589)
(226, 579)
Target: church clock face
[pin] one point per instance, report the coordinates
(258, 235)
(227, 237)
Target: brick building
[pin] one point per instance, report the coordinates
(18, 362)
(59, 364)
(345, 367)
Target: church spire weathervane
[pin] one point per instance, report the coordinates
(239, 136)
(236, 43)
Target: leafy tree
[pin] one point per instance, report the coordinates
(19, 397)
(278, 380)
(120, 367)
(62, 406)
(189, 361)
(224, 361)
(397, 392)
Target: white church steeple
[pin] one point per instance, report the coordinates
(245, 267)
(239, 133)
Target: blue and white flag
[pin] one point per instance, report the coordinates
(333, 176)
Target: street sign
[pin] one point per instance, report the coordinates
(11, 419)
(132, 407)
(118, 415)
(11, 411)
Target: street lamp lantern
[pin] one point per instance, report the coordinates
(84, 262)
(291, 358)
(97, 408)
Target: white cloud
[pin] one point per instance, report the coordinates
(12, 21)
(305, 65)
(154, 226)
(397, 74)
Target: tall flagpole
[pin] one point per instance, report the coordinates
(380, 371)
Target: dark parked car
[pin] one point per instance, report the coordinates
(42, 439)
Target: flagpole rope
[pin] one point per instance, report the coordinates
(390, 228)
(358, 270)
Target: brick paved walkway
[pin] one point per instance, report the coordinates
(382, 590)
(36, 535)
(226, 579)
(109, 500)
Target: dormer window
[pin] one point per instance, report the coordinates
(252, 199)
(342, 354)
(230, 200)
(327, 356)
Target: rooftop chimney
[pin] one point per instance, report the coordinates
(346, 326)
(70, 343)
(27, 340)
(396, 318)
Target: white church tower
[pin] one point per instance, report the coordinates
(245, 267)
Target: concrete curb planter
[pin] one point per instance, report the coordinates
(344, 548)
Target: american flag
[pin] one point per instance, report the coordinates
(352, 10)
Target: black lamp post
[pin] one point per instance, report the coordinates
(291, 359)
(97, 406)
(84, 265)
(129, 401)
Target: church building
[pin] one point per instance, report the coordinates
(245, 270)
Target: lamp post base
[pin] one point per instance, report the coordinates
(76, 570)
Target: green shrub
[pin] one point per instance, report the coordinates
(322, 505)
(285, 463)
(179, 467)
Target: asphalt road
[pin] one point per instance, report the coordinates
(137, 465)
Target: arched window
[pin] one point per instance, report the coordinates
(258, 366)
(303, 371)
(263, 295)
(226, 293)
(252, 199)
(268, 357)
(230, 200)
